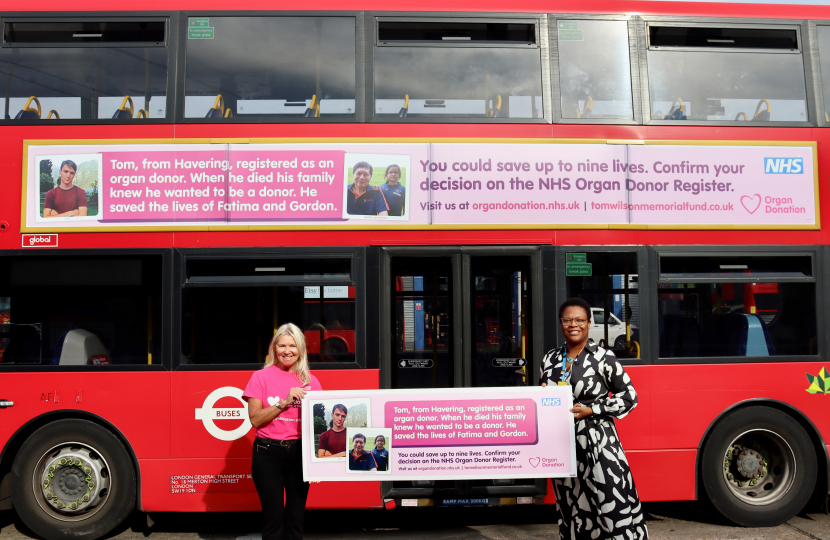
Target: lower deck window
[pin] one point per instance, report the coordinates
(76, 310)
(234, 325)
(736, 319)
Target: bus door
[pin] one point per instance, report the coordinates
(463, 317)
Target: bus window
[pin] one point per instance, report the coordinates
(461, 69)
(823, 33)
(594, 69)
(84, 70)
(608, 281)
(728, 314)
(726, 74)
(232, 306)
(80, 310)
(259, 67)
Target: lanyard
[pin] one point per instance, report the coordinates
(567, 362)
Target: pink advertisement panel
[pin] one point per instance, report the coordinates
(439, 434)
(422, 185)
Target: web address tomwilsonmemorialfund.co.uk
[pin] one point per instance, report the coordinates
(619, 205)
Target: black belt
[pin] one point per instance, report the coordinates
(276, 442)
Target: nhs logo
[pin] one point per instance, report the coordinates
(551, 402)
(783, 165)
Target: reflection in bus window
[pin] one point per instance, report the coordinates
(234, 325)
(610, 284)
(594, 69)
(736, 319)
(458, 82)
(272, 66)
(83, 83)
(720, 75)
(77, 311)
(823, 33)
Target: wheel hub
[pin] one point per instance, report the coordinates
(74, 480)
(750, 464)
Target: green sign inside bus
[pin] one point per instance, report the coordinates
(570, 35)
(578, 269)
(200, 33)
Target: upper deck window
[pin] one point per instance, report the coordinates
(594, 69)
(84, 69)
(708, 73)
(457, 69)
(258, 67)
(823, 33)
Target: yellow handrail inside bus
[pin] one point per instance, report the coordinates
(29, 102)
(53, 111)
(141, 114)
(589, 105)
(758, 108)
(762, 102)
(634, 349)
(228, 113)
(678, 100)
(124, 102)
(739, 114)
(661, 113)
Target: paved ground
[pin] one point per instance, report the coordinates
(666, 521)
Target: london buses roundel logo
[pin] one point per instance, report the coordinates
(207, 414)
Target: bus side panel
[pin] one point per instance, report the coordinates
(211, 447)
(135, 403)
(663, 475)
(209, 414)
(225, 485)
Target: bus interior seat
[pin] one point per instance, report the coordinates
(587, 110)
(123, 112)
(29, 113)
(24, 345)
(495, 112)
(405, 109)
(313, 110)
(76, 347)
(678, 113)
(218, 109)
(762, 116)
(679, 337)
(737, 334)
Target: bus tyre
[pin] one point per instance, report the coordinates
(73, 479)
(759, 467)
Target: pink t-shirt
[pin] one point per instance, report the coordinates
(274, 383)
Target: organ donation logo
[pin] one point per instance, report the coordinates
(207, 414)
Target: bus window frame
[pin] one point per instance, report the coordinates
(647, 305)
(818, 89)
(359, 59)
(821, 263)
(805, 50)
(358, 280)
(542, 44)
(171, 45)
(633, 56)
(166, 312)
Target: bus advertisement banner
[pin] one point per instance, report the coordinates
(439, 434)
(418, 185)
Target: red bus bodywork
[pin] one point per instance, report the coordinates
(153, 411)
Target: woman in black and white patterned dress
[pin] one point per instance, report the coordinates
(601, 502)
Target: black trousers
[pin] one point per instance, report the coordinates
(278, 477)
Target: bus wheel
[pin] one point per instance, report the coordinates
(73, 479)
(759, 467)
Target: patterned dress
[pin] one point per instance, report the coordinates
(601, 502)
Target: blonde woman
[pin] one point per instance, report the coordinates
(274, 395)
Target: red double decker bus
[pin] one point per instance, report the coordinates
(182, 180)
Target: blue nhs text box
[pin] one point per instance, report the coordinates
(783, 165)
